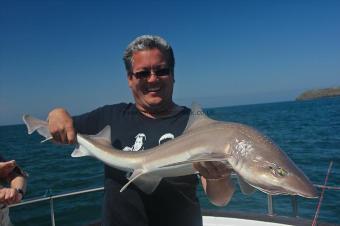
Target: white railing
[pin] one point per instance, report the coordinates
(51, 199)
(270, 206)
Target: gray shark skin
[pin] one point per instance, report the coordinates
(256, 160)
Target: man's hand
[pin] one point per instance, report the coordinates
(213, 170)
(6, 168)
(9, 196)
(216, 181)
(60, 124)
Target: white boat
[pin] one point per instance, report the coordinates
(219, 218)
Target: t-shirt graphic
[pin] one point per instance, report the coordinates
(165, 137)
(139, 143)
(140, 138)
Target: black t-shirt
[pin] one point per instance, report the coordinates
(174, 202)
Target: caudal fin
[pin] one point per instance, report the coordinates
(34, 124)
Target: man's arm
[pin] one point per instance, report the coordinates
(216, 182)
(64, 128)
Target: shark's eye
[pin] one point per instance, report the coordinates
(278, 171)
(282, 172)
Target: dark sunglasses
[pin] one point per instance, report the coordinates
(146, 73)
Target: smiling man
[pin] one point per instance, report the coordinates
(149, 62)
(151, 82)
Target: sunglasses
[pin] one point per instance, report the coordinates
(146, 73)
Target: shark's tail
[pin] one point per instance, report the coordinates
(34, 124)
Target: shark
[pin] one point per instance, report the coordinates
(256, 160)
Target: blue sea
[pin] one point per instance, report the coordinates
(308, 131)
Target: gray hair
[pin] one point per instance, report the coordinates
(146, 42)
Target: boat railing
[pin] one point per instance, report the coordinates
(270, 206)
(51, 198)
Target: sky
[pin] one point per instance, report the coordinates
(68, 53)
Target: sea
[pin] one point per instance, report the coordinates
(308, 131)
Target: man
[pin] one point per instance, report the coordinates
(10, 173)
(149, 63)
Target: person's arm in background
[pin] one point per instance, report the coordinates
(16, 178)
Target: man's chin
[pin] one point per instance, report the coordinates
(158, 104)
(154, 101)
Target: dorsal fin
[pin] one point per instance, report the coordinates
(104, 136)
(197, 118)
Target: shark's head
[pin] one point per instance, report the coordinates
(274, 176)
(265, 166)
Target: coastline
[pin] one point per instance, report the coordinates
(319, 93)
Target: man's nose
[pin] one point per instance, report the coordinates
(152, 77)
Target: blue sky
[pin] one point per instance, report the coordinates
(69, 53)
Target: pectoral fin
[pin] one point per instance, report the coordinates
(246, 188)
(137, 173)
(144, 181)
(148, 183)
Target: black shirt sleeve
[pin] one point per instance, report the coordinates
(94, 121)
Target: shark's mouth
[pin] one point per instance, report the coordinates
(274, 191)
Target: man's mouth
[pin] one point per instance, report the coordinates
(154, 89)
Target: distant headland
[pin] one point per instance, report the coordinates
(319, 93)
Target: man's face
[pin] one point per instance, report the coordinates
(154, 91)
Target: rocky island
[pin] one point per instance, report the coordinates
(319, 93)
